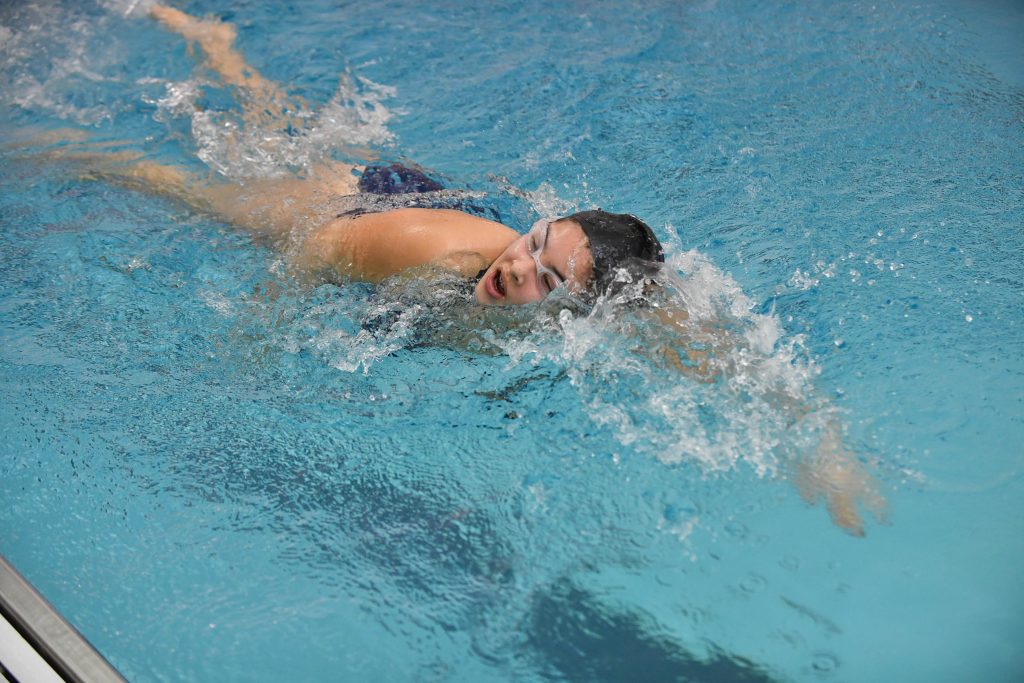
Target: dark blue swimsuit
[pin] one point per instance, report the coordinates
(402, 180)
(393, 179)
(396, 179)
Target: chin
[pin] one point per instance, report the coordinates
(481, 296)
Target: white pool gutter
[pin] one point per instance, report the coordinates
(37, 645)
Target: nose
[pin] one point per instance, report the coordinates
(518, 269)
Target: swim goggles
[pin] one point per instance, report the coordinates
(536, 240)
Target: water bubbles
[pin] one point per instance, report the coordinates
(824, 663)
(682, 527)
(179, 99)
(547, 202)
(790, 563)
(52, 62)
(238, 146)
(827, 270)
(218, 302)
(753, 583)
(130, 8)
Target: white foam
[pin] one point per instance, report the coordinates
(179, 98)
(547, 202)
(355, 116)
(741, 410)
(218, 302)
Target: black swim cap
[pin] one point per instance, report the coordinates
(618, 240)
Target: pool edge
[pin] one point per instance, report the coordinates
(53, 638)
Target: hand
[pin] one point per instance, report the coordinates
(835, 474)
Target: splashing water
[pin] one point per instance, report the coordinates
(46, 62)
(739, 404)
(355, 116)
(61, 62)
(731, 408)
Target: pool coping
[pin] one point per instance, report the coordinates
(45, 640)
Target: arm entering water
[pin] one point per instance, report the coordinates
(832, 472)
(835, 473)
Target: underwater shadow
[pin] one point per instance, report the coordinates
(578, 638)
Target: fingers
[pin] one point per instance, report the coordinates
(845, 486)
(171, 18)
(807, 484)
(875, 502)
(214, 37)
(842, 508)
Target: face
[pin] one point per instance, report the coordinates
(553, 254)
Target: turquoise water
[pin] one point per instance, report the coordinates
(219, 474)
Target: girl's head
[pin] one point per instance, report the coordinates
(583, 251)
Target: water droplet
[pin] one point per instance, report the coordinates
(753, 583)
(736, 530)
(824, 663)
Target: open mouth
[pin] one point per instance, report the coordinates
(496, 285)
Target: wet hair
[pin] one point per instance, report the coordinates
(618, 241)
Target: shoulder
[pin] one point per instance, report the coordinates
(435, 232)
(375, 245)
(435, 219)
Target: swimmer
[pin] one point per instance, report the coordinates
(582, 252)
(370, 241)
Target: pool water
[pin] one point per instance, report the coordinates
(217, 473)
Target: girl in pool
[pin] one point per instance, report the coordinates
(582, 252)
(377, 235)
